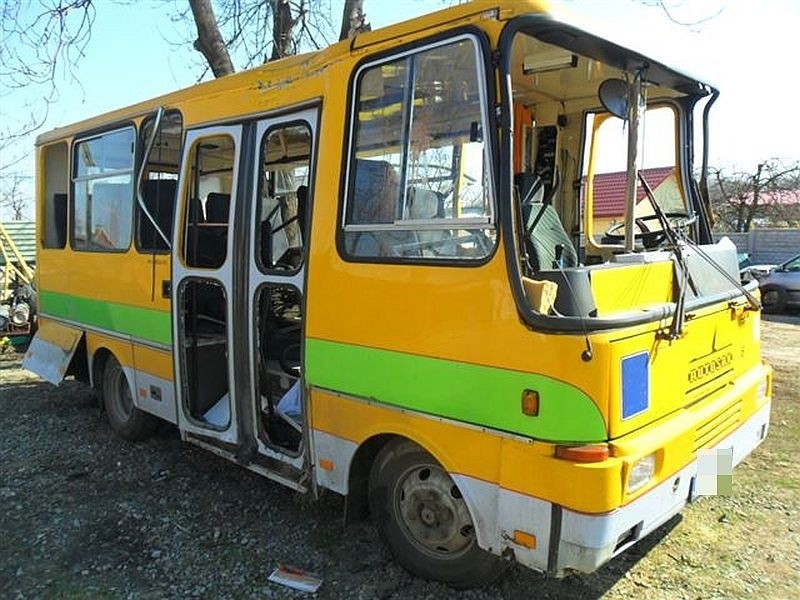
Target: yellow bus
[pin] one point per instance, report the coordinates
(456, 270)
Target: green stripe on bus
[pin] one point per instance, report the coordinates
(480, 395)
(141, 323)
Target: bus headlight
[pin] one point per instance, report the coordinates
(642, 472)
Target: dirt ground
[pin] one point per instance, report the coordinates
(84, 514)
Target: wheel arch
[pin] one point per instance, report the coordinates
(357, 500)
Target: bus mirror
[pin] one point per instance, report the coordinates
(614, 97)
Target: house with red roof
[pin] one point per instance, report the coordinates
(608, 207)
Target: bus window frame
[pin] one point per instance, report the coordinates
(48, 201)
(305, 233)
(588, 152)
(615, 56)
(141, 161)
(73, 166)
(486, 76)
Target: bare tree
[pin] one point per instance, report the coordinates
(13, 197)
(354, 20)
(38, 43)
(283, 24)
(769, 195)
(209, 41)
(253, 32)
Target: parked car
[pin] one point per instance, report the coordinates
(780, 289)
(748, 271)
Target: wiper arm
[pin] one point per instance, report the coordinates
(677, 325)
(679, 316)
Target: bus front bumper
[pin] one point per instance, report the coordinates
(586, 541)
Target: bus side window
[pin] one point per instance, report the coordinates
(102, 191)
(56, 182)
(417, 135)
(160, 188)
(159, 198)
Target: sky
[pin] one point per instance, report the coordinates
(744, 48)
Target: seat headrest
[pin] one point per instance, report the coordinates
(424, 204)
(217, 207)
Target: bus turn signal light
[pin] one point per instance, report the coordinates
(590, 453)
(525, 539)
(530, 403)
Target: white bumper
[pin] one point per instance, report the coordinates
(588, 541)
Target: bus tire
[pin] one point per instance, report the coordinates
(125, 419)
(421, 515)
(773, 299)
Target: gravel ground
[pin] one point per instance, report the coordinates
(84, 514)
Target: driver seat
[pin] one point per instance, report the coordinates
(547, 243)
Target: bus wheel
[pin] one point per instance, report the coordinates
(125, 419)
(422, 516)
(773, 299)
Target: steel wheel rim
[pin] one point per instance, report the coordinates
(432, 513)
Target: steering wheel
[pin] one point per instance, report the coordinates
(649, 238)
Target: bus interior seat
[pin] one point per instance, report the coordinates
(376, 193)
(302, 209)
(159, 198)
(293, 256)
(196, 214)
(214, 241)
(547, 243)
(426, 205)
(217, 207)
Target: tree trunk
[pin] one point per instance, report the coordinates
(757, 185)
(282, 26)
(209, 40)
(353, 19)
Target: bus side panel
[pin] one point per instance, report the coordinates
(155, 384)
(510, 463)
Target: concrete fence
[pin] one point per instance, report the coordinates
(766, 246)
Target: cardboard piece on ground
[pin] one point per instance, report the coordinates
(295, 578)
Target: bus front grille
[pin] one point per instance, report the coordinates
(718, 426)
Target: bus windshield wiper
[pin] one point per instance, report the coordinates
(676, 328)
(679, 316)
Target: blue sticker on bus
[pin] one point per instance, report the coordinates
(635, 384)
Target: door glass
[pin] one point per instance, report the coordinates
(210, 180)
(283, 197)
(205, 352)
(160, 182)
(279, 322)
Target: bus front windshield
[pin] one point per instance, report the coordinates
(600, 157)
